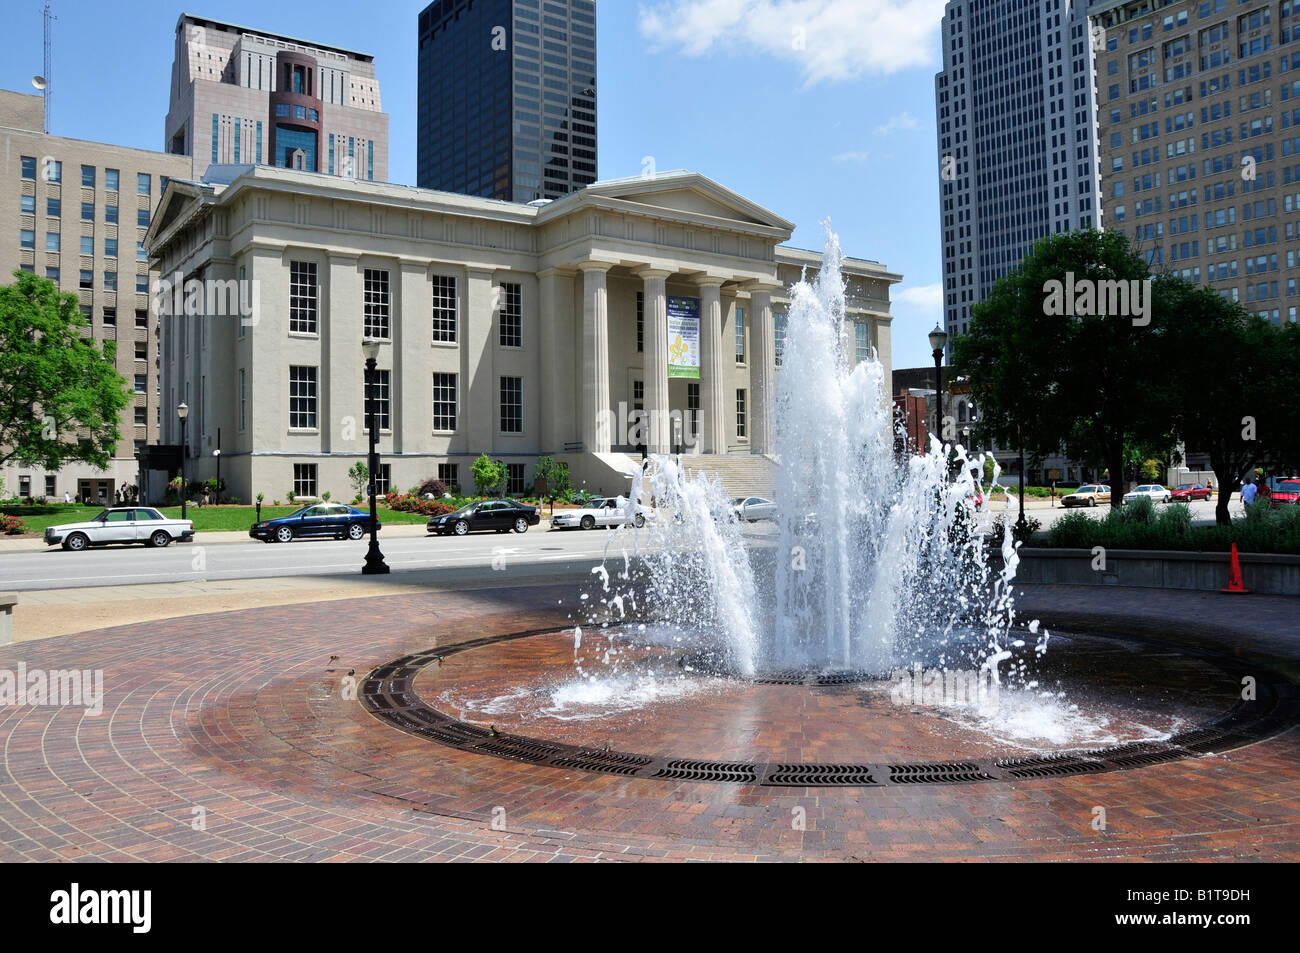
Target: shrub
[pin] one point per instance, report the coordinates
(12, 525)
(432, 485)
(325, 496)
(1019, 533)
(408, 503)
(1262, 530)
(488, 474)
(359, 477)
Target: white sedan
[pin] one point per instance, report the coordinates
(128, 524)
(753, 508)
(1148, 491)
(608, 512)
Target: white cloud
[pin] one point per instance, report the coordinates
(903, 122)
(851, 157)
(830, 40)
(922, 300)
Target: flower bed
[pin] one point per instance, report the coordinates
(12, 525)
(406, 503)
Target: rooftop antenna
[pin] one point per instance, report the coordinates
(47, 78)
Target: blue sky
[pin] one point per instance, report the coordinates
(814, 108)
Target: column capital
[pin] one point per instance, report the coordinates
(709, 281)
(651, 273)
(601, 266)
(764, 287)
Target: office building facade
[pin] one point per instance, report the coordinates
(505, 328)
(507, 98)
(1017, 137)
(1200, 130)
(243, 96)
(76, 212)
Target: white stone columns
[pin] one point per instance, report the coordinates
(713, 420)
(659, 429)
(597, 426)
(762, 376)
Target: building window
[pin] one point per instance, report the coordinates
(862, 341)
(740, 413)
(29, 167)
(142, 416)
(53, 241)
(304, 479)
(512, 405)
(640, 322)
(110, 247)
(110, 179)
(515, 479)
(444, 403)
(49, 484)
(142, 255)
(53, 171)
(144, 183)
(142, 350)
(444, 309)
(302, 398)
(52, 273)
(110, 214)
(379, 396)
(142, 217)
(110, 281)
(87, 280)
(110, 317)
(27, 204)
(88, 245)
(53, 208)
(302, 297)
(377, 305)
(141, 383)
(27, 238)
(512, 316)
(692, 411)
(141, 318)
(88, 176)
(87, 211)
(384, 479)
(449, 474)
(778, 335)
(740, 335)
(243, 401)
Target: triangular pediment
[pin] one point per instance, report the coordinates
(690, 194)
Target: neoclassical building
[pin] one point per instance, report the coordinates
(646, 312)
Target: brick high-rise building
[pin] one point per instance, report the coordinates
(1200, 136)
(76, 212)
(507, 98)
(247, 97)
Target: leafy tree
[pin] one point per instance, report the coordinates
(61, 398)
(556, 475)
(1051, 371)
(1232, 378)
(359, 477)
(488, 474)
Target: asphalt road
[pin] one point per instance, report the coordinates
(185, 562)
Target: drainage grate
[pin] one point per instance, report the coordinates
(735, 771)
(388, 694)
(816, 775)
(954, 772)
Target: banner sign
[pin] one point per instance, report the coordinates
(684, 338)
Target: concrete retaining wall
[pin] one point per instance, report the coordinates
(1159, 569)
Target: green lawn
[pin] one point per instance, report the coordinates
(210, 519)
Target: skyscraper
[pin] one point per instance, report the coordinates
(507, 102)
(247, 97)
(1017, 129)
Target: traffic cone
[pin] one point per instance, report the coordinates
(1234, 576)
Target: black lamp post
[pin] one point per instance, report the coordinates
(375, 565)
(183, 412)
(938, 342)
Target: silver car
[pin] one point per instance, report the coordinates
(753, 508)
(124, 525)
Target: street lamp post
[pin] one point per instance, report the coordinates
(375, 565)
(938, 342)
(183, 412)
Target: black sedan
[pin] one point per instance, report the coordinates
(500, 515)
(332, 520)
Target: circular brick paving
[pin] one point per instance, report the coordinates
(233, 737)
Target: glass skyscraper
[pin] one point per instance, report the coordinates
(507, 104)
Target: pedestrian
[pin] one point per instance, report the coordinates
(1210, 486)
(67, 497)
(1248, 494)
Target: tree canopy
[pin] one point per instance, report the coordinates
(61, 397)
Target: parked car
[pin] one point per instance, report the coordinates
(605, 511)
(754, 508)
(500, 515)
(317, 520)
(1149, 491)
(1187, 492)
(1286, 493)
(129, 524)
(1087, 495)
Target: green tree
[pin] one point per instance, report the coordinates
(61, 398)
(1053, 372)
(555, 474)
(1232, 378)
(488, 474)
(359, 477)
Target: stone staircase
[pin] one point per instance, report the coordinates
(741, 474)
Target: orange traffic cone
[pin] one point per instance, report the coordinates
(1234, 576)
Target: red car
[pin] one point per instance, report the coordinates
(1287, 493)
(1187, 492)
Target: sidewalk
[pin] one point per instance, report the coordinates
(36, 544)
